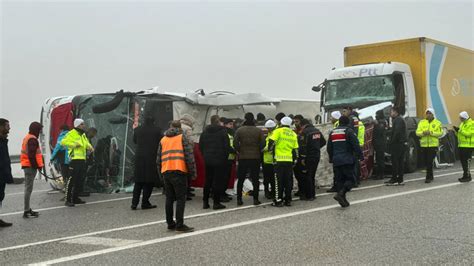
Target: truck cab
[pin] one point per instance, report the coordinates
(363, 86)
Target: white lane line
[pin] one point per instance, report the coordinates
(61, 207)
(34, 191)
(101, 241)
(186, 217)
(231, 226)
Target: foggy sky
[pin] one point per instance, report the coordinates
(280, 49)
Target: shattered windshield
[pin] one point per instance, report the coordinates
(366, 89)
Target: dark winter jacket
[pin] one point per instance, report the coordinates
(214, 145)
(313, 141)
(188, 147)
(5, 164)
(380, 134)
(147, 138)
(399, 132)
(343, 146)
(249, 142)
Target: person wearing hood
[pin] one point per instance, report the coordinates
(429, 131)
(465, 134)
(248, 143)
(147, 138)
(187, 125)
(215, 148)
(175, 161)
(380, 143)
(31, 160)
(60, 154)
(5, 164)
(283, 144)
(78, 145)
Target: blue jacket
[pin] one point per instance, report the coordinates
(343, 146)
(60, 148)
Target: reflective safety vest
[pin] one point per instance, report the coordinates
(466, 134)
(77, 144)
(435, 129)
(267, 155)
(336, 124)
(24, 160)
(172, 154)
(286, 141)
(361, 134)
(231, 155)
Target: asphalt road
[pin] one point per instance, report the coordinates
(416, 223)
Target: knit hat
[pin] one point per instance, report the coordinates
(188, 120)
(431, 110)
(464, 115)
(336, 115)
(286, 121)
(270, 124)
(78, 122)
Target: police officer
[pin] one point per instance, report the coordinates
(78, 145)
(429, 130)
(380, 143)
(310, 154)
(284, 144)
(335, 115)
(359, 129)
(268, 163)
(465, 134)
(343, 150)
(397, 146)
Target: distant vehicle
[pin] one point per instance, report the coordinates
(116, 115)
(412, 74)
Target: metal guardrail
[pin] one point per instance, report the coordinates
(15, 158)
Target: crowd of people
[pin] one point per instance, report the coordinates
(284, 148)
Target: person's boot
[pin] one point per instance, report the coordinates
(205, 205)
(345, 199)
(332, 189)
(30, 213)
(340, 198)
(465, 178)
(392, 182)
(184, 229)
(256, 202)
(78, 201)
(277, 203)
(400, 181)
(5, 224)
(240, 202)
(218, 206)
(69, 204)
(148, 206)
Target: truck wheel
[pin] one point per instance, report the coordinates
(411, 163)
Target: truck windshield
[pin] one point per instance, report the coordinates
(366, 89)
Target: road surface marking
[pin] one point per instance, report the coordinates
(101, 241)
(232, 226)
(186, 217)
(62, 206)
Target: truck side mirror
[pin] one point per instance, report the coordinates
(316, 88)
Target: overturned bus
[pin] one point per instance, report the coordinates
(116, 115)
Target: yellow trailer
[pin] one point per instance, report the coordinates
(443, 74)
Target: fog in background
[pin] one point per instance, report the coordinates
(280, 49)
